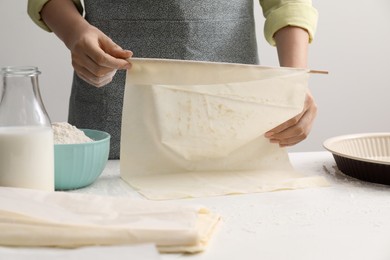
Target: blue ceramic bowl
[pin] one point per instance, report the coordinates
(79, 165)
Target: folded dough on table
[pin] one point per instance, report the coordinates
(196, 129)
(59, 219)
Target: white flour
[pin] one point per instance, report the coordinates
(65, 133)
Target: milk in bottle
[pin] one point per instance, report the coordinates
(26, 137)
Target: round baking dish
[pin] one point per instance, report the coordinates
(363, 156)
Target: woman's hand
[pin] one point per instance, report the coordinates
(95, 57)
(297, 128)
(292, 44)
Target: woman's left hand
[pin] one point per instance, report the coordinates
(297, 128)
(292, 44)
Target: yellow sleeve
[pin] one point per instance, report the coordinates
(34, 8)
(282, 13)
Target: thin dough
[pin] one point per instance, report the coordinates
(195, 129)
(35, 218)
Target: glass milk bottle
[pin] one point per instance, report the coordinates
(26, 136)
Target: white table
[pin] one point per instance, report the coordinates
(348, 220)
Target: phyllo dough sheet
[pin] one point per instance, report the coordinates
(196, 129)
(59, 219)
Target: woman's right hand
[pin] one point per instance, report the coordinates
(95, 57)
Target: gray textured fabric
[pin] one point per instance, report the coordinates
(208, 30)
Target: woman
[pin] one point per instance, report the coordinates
(208, 30)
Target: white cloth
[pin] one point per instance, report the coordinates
(195, 129)
(59, 219)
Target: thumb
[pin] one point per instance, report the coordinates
(113, 49)
(115, 56)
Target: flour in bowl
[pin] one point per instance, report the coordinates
(65, 133)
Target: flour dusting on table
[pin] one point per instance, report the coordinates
(65, 133)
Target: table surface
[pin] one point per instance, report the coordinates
(350, 219)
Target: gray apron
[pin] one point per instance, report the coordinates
(205, 30)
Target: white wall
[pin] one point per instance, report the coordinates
(352, 43)
(24, 43)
